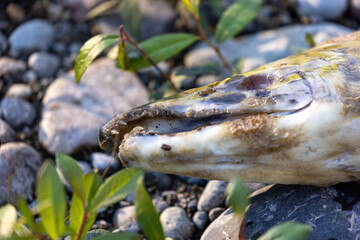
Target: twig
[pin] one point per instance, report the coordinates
(83, 223)
(210, 44)
(125, 37)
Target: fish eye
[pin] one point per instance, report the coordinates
(258, 81)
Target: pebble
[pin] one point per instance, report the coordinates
(39, 35)
(124, 219)
(215, 212)
(30, 76)
(25, 163)
(176, 224)
(3, 44)
(192, 205)
(44, 64)
(15, 12)
(266, 46)
(355, 9)
(6, 133)
(213, 195)
(161, 180)
(160, 205)
(101, 161)
(19, 91)
(130, 198)
(327, 9)
(169, 196)
(59, 48)
(9, 66)
(55, 11)
(17, 112)
(97, 99)
(81, 7)
(200, 219)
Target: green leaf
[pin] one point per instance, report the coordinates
(146, 215)
(192, 6)
(235, 19)
(7, 220)
(52, 200)
(91, 182)
(76, 216)
(90, 50)
(287, 231)
(131, 15)
(310, 40)
(26, 213)
(115, 188)
(162, 47)
(118, 236)
(71, 172)
(238, 196)
(122, 57)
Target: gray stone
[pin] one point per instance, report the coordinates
(206, 79)
(73, 113)
(213, 195)
(200, 219)
(81, 7)
(215, 212)
(176, 224)
(24, 164)
(44, 64)
(333, 213)
(255, 186)
(161, 180)
(101, 161)
(17, 112)
(160, 205)
(124, 219)
(327, 9)
(10, 66)
(3, 44)
(130, 198)
(355, 8)
(267, 46)
(19, 91)
(6, 132)
(192, 205)
(35, 34)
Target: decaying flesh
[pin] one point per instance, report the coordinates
(293, 121)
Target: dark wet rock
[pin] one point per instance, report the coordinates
(19, 91)
(160, 205)
(355, 8)
(44, 64)
(124, 219)
(193, 180)
(6, 133)
(215, 212)
(260, 48)
(330, 217)
(213, 195)
(169, 196)
(24, 164)
(17, 112)
(101, 161)
(176, 223)
(200, 219)
(9, 66)
(3, 44)
(35, 34)
(74, 113)
(160, 180)
(327, 9)
(192, 205)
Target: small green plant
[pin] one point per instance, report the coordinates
(162, 47)
(238, 199)
(90, 195)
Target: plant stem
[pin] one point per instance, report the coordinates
(83, 223)
(242, 231)
(125, 37)
(210, 44)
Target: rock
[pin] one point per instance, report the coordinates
(160, 205)
(17, 112)
(200, 219)
(193, 180)
(213, 195)
(355, 8)
(9, 66)
(157, 17)
(24, 164)
(192, 205)
(327, 9)
(15, 12)
(35, 34)
(73, 113)
(30, 76)
(169, 196)
(161, 180)
(85, 166)
(6, 133)
(3, 44)
(19, 91)
(44, 64)
(130, 198)
(255, 186)
(176, 224)
(124, 219)
(330, 217)
(215, 212)
(81, 7)
(267, 46)
(101, 161)
(206, 79)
